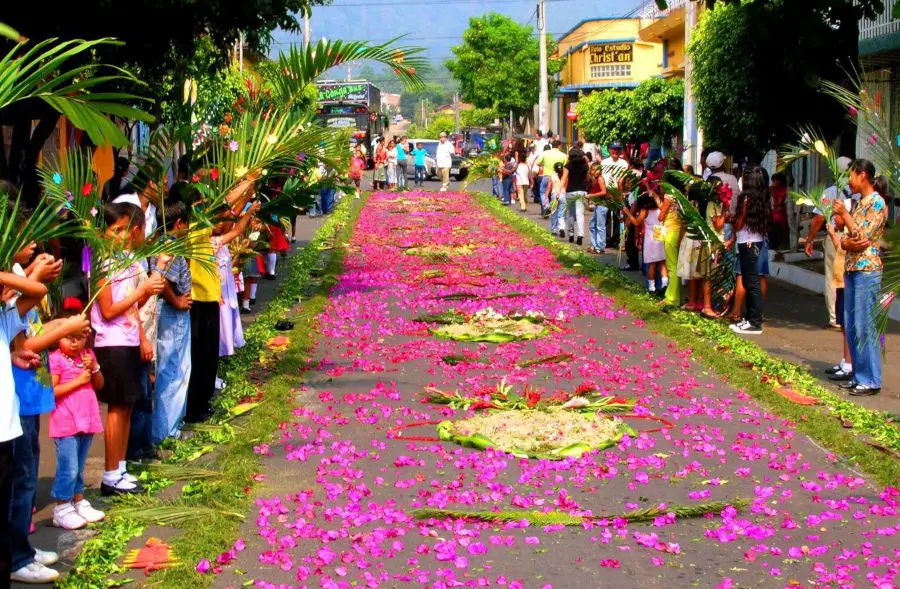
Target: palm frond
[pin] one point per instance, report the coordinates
(172, 512)
(178, 472)
(550, 518)
(695, 224)
(299, 67)
(39, 71)
(20, 227)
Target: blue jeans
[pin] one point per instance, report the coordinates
(556, 217)
(597, 227)
(26, 457)
(401, 174)
(495, 186)
(508, 189)
(139, 438)
(860, 301)
(315, 208)
(173, 371)
(71, 454)
(542, 192)
(748, 253)
(327, 200)
(419, 175)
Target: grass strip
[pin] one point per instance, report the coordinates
(717, 348)
(222, 498)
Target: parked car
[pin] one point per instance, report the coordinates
(458, 168)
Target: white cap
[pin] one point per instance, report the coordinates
(715, 160)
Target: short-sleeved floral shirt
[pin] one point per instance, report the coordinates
(870, 217)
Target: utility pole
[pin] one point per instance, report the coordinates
(544, 99)
(692, 138)
(306, 30)
(456, 108)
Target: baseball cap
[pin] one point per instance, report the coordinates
(442, 134)
(715, 160)
(617, 145)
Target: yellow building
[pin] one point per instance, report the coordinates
(667, 29)
(601, 53)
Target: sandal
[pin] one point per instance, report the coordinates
(709, 313)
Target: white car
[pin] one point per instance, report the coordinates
(430, 145)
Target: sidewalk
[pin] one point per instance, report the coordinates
(793, 329)
(66, 543)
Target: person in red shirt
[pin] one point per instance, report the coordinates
(779, 231)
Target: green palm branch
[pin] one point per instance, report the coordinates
(71, 189)
(39, 72)
(549, 518)
(172, 512)
(20, 227)
(298, 68)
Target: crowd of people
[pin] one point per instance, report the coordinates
(391, 162)
(149, 348)
(632, 213)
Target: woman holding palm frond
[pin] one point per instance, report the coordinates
(862, 278)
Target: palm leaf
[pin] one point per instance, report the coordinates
(550, 518)
(39, 71)
(19, 228)
(299, 67)
(172, 512)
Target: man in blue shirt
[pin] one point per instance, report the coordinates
(419, 162)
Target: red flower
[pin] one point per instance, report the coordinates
(87, 189)
(214, 174)
(195, 178)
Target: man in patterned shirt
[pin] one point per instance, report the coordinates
(862, 279)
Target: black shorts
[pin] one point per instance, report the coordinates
(121, 370)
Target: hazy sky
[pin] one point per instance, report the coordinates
(438, 25)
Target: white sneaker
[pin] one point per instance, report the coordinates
(745, 328)
(45, 557)
(87, 511)
(129, 477)
(65, 517)
(35, 574)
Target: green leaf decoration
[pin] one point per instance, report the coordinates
(551, 518)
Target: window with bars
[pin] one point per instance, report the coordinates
(611, 71)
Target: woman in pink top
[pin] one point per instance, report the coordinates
(73, 423)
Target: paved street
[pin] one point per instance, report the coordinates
(361, 453)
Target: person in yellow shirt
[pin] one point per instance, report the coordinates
(206, 294)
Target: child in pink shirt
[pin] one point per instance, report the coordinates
(73, 423)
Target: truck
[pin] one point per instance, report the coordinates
(353, 105)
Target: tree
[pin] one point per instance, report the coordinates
(497, 64)
(758, 66)
(436, 126)
(163, 43)
(433, 94)
(605, 116)
(478, 117)
(651, 112)
(657, 110)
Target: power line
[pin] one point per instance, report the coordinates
(418, 4)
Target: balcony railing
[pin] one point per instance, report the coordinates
(651, 10)
(883, 24)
